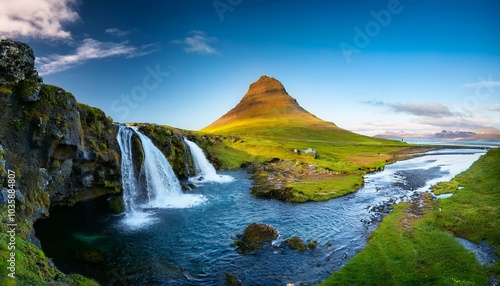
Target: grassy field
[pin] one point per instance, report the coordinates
(420, 250)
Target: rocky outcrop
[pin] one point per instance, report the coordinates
(271, 178)
(61, 151)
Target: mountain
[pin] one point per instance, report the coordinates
(265, 102)
(268, 110)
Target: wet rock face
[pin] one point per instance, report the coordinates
(255, 236)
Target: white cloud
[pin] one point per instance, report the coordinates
(88, 50)
(429, 109)
(116, 32)
(198, 42)
(37, 19)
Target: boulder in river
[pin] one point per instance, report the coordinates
(255, 236)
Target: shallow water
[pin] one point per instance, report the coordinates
(192, 246)
(484, 253)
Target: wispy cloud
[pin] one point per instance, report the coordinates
(495, 108)
(42, 19)
(91, 49)
(374, 102)
(486, 83)
(199, 43)
(417, 109)
(116, 32)
(422, 109)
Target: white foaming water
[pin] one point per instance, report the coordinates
(205, 172)
(163, 189)
(449, 161)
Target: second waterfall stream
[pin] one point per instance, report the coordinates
(205, 171)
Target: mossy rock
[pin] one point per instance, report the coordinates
(137, 151)
(90, 255)
(296, 243)
(312, 244)
(232, 280)
(255, 236)
(116, 205)
(5, 90)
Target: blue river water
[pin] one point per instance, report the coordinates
(192, 246)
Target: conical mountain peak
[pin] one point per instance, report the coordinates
(266, 103)
(265, 84)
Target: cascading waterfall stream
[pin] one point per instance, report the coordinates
(161, 189)
(205, 171)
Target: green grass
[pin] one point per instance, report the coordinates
(426, 253)
(325, 188)
(473, 212)
(422, 255)
(445, 187)
(32, 267)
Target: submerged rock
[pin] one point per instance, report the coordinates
(90, 255)
(296, 243)
(232, 280)
(255, 236)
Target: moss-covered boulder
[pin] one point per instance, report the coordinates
(255, 236)
(296, 243)
(232, 280)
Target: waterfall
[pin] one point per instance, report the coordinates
(204, 170)
(155, 186)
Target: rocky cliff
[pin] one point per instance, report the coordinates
(59, 152)
(56, 147)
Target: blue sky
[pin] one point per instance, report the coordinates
(368, 66)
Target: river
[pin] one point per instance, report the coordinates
(192, 246)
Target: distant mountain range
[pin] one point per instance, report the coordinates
(487, 135)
